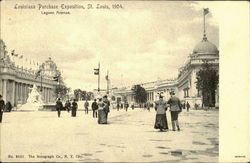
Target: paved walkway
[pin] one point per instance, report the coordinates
(129, 136)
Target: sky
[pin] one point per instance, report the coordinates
(145, 41)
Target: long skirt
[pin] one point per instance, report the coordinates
(73, 112)
(161, 121)
(102, 117)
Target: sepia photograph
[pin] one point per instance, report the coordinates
(119, 81)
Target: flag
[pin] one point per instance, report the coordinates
(38, 73)
(206, 11)
(13, 52)
(96, 71)
(56, 78)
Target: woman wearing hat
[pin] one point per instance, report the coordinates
(102, 119)
(175, 109)
(161, 118)
(74, 108)
(2, 105)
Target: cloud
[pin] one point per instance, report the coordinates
(142, 42)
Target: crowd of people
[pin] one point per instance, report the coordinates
(4, 107)
(100, 108)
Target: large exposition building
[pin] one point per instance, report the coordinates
(185, 84)
(17, 76)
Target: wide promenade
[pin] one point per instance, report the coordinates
(129, 136)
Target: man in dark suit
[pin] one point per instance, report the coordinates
(106, 105)
(188, 106)
(94, 107)
(175, 109)
(59, 106)
(1, 108)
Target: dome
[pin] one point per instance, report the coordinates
(205, 47)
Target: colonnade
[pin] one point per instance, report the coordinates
(17, 92)
(150, 96)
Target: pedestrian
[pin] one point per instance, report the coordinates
(188, 106)
(59, 107)
(2, 105)
(148, 106)
(74, 108)
(94, 107)
(102, 119)
(86, 106)
(196, 106)
(106, 106)
(161, 118)
(118, 106)
(126, 106)
(8, 107)
(175, 109)
(121, 105)
(67, 105)
(132, 106)
(184, 105)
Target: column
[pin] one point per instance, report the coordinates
(152, 96)
(26, 92)
(44, 92)
(13, 93)
(4, 90)
(16, 93)
(23, 93)
(46, 95)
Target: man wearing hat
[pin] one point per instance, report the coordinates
(106, 105)
(59, 107)
(1, 107)
(175, 109)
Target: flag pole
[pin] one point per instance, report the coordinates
(107, 78)
(99, 77)
(204, 35)
(41, 88)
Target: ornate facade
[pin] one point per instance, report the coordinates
(185, 84)
(16, 80)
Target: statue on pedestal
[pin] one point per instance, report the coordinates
(34, 101)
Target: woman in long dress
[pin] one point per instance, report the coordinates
(74, 108)
(161, 118)
(102, 119)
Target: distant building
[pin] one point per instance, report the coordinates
(16, 78)
(185, 84)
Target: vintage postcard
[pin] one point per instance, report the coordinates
(124, 81)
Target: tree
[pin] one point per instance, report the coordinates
(207, 82)
(140, 94)
(83, 95)
(61, 91)
(78, 93)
